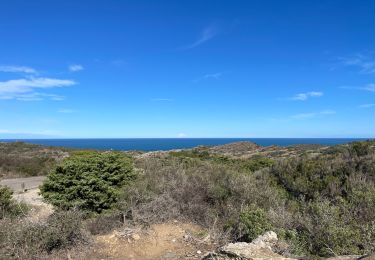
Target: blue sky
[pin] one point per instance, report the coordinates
(187, 68)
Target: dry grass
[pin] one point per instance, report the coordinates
(22, 160)
(26, 240)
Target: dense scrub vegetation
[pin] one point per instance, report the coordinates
(28, 240)
(19, 159)
(321, 203)
(88, 180)
(335, 196)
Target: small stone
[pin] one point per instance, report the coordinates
(174, 240)
(136, 237)
(199, 252)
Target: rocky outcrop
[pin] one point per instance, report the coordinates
(259, 249)
(266, 246)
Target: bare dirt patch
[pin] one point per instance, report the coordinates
(39, 209)
(173, 240)
(26, 190)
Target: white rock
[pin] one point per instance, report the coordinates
(260, 248)
(136, 237)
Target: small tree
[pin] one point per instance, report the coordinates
(90, 181)
(8, 206)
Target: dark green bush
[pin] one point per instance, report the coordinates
(253, 222)
(5, 197)
(90, 181)
(256, 163)
(361, 148)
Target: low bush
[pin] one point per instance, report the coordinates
(253, 223)
(8, 206)
(27, 240)
(104, 223)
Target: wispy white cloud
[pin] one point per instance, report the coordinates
(307, 95)
(209, 76)
(213, 76)
(367, 105)
(207, 34)
(368, 87)
(313, 114)
(22, 69)
(303, 115)
(25, 89)
(34, 96)
(26, 134)
(75, 67)
(364, 63)
(181, 135)
(65, 111)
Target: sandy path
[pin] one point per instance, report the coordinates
(167, 241)
(29, 183)
(39, 209)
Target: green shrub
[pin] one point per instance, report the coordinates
(361, 148)
(254, 222)
(5, 197)
(90, 181)
(257, 163)
(8, 206)
(297, 241)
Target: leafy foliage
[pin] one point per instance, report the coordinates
(90, 181)
(254, 222)
(8, 206)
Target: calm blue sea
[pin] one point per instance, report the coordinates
(154, 144)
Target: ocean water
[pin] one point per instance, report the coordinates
(155, 144)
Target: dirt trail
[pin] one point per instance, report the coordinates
(172, 240)
(39, 209)
(18, 184)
